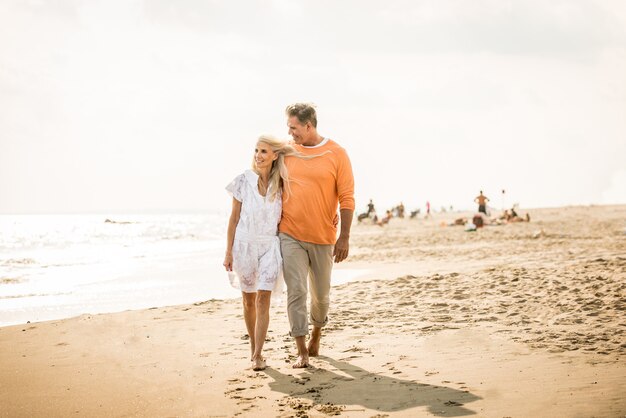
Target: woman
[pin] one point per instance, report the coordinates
(252, 246)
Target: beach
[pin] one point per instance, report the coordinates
(515, 320)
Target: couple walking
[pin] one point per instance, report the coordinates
(284, 218)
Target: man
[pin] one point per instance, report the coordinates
(370, 207)
(308, 227)
(482, 202)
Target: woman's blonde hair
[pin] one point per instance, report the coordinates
(279, 175)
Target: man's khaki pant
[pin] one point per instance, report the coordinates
(302, 260)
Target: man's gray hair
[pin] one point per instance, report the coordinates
(305, 112)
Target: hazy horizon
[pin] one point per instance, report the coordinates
(226, 210)
(154, 106)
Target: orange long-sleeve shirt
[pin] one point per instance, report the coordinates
(318, 187)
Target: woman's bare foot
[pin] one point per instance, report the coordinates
(301, 363)
(258, 364)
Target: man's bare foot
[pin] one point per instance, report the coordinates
(258, 364)
(314, 343)
(301, 363)
(314, 348)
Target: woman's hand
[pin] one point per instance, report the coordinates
(228, 262)
(230, 235)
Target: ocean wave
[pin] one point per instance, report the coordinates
(10, 280)
(31, 295)
(42, 232)
(18, 261)
(110, 221)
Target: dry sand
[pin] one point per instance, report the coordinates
(518, 320)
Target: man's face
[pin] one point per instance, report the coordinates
(299, 132)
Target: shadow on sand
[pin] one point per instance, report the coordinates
(370, 390)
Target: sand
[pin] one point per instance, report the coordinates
(516, 320)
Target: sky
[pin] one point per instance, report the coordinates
(155, 105)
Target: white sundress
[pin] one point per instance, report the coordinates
(257, 262)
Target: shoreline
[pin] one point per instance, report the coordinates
(344, 273)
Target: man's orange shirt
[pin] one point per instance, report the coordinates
(318, 187)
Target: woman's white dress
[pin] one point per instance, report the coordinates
(257, 262)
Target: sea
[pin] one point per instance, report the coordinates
(64, 265)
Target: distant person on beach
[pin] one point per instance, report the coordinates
(459, 221)
(479, 220)
(385, 219)
(482, 202)
(400, 210)
(253, 256)
(512, 216)
(308, 228)
(369, 214)
(370, 207)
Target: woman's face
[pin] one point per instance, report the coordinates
(264, 156)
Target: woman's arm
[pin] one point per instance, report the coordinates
(230, 235)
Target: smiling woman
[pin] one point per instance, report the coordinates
(264, 157)
(252, 248)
